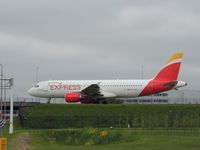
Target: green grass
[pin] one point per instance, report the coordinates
(139, 140)
(142, 142)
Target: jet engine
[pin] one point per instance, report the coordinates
(72, 97)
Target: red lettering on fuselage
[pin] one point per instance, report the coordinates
(68, 87)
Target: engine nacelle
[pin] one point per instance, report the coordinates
(72, 97)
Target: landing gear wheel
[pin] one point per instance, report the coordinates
(48, 101)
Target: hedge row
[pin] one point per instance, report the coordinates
(120, 116)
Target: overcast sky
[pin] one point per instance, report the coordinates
(97, 39)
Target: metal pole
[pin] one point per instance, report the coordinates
(37, 80)
(1, 94)
(1, 86)
(5, 99)
(142, 72)
(5, 112)
(11, 106)
(37, 74)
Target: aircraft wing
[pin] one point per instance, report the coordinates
(92, 91)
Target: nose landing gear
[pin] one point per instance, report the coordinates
(49, 100)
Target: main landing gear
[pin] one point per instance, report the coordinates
(48, 100)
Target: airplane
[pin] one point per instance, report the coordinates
(97, 91)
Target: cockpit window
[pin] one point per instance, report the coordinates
(37, 86)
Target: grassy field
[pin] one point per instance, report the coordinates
(137, 140)
(153, 127)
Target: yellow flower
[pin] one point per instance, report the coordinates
(103, 133)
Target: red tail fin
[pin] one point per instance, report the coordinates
(171, 70)
(166, 79)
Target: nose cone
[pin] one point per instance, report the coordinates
(31, 91)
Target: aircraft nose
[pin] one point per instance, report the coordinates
(30, 91)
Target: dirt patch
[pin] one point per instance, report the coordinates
(21, 142)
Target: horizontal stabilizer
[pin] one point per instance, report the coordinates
(171, 84)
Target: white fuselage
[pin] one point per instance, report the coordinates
(109, 88)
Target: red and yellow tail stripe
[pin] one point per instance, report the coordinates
(168, 74)
(175, 57)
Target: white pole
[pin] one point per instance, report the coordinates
(11, 107)
(1, 95)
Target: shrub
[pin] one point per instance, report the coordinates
(86, 136)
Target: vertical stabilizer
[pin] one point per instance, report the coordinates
(171, 70)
